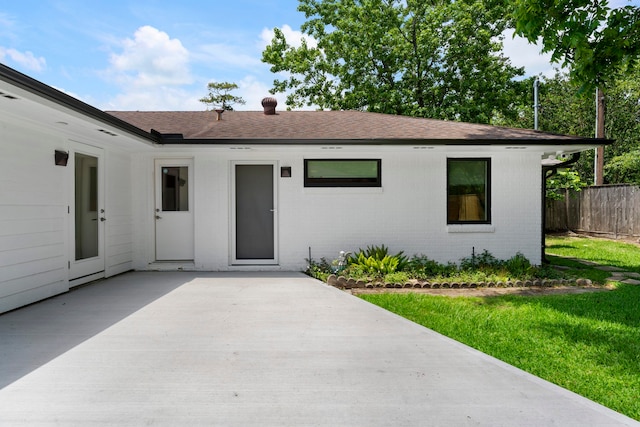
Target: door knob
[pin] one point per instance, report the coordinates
(158, 217)
(103, 219)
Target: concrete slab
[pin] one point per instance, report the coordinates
(241, 349)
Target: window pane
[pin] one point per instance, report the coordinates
(175, 188)
(468, 190)
(86, 200)
(342, 169)
(342, 173)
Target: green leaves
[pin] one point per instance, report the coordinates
(588, 36)
(436, 59)
(562, 181)
(377, 267)
(376, 261)
(624, 168)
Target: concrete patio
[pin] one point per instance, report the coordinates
(263, 349)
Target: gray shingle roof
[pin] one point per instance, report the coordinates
(301, 126)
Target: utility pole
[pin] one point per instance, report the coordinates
(536, 84)
(599, 155)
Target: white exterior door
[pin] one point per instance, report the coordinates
(254, 225)
(87, 214)
(174, 213)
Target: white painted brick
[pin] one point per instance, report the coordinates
(407, 214)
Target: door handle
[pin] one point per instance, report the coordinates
(158, 217)
(103, 219)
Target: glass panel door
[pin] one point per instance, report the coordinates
(88, 218)
(86, 209)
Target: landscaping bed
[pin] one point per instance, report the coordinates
(486, 291)
(350, 283)
(375, 268)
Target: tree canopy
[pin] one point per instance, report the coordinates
(566, 110)
(438, 58)
(593, 39)
(220, 96)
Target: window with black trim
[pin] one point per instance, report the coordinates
(468, 191)
(342, 173)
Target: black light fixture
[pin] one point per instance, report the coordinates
(61, 158)
(285, 172)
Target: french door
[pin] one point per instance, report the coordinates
(87, 214)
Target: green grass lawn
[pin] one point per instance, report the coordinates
(588, 343)
(602, 251)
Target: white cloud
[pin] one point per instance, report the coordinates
(152, 71)
(527, 55)
(293, 37)
(160, 98)
(156, 72)
(7, 25)
(25, 59)
(225, 55)
(150, 59)
(253, 91)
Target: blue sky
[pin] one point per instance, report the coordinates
(160, 55)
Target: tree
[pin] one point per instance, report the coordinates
(624, 168)
(562, 181)
(594, 40)
(566, 110)
(437, 59)
(220, 96)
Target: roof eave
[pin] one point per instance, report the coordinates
(51, 94)
(172, 139)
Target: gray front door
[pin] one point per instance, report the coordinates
(255, 214)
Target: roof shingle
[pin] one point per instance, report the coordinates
(325, 125)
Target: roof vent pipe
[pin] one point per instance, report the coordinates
(269, 104)
(219, 112)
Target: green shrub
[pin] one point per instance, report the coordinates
(318, 270)
(374, 266)
(376, 261)
(421, 267)
(397, 277)
(518, 265)
(483, 260)
(357, 271)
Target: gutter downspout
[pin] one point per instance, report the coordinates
(546, 175)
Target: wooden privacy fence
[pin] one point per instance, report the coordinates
(612, 210)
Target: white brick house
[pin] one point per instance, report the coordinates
(249, 190)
